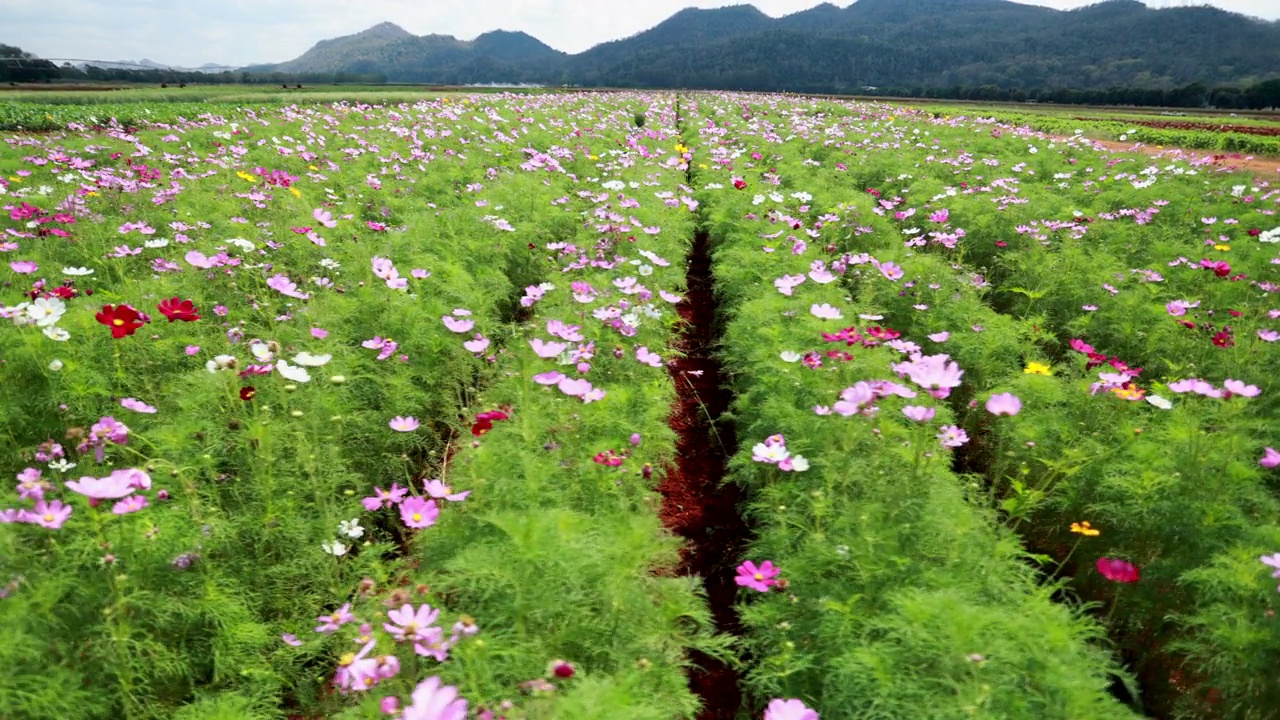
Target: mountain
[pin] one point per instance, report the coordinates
(880, 43)
(388, 49)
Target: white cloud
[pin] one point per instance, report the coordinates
(239, 32)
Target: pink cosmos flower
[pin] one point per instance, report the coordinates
(951, 436)
(547, 349)
(1268, 335)
(384, 498)
(323, 217)
(319, 333)
(1237, 387)
(290, 639)
(111, 487)
(403, 424)
(283, 285)
(780, 709)
(458, 325)
(331, 623)
(24, 267)
(1004, 404)
(50, 514)
(137, 406)
(825, 312)
(131, 504)
(407, 624)
(651, 359)
(548, 378)
(439, 490)
(918, 413)
(940, 337)
(477, 345)
(574, 387)
(418, 512)
(1119, 571)
(759, 578)
(1270, 458)
(432, 701)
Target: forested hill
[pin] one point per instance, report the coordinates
(871, 43)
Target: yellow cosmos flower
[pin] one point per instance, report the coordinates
(1222, 248)
(312, 167)
(246, 176)
(594, 157)
(1037, 368)
(1084, 528)
(295, 192)
(680, 148)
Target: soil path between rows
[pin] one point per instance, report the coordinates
(697, 506)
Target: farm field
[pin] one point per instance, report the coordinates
(630, 405)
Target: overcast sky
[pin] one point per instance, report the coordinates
(240, 32)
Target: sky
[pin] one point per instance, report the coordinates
(241, 32)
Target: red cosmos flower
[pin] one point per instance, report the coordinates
(178, 309)
(1223, 339)
(122, 319)
(485, 420)
(247, 393)
(740, 184)
(1120, 571)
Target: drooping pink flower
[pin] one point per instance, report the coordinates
(111, 487)
(759, 578)
(825, 312)
(418, 512)
(652, 359)
(780, 709)
(403, 424)
(547, 349)
(1238, 387)
(458, 325)
(1120, 571)
(438, 489)
(137, 406)
(951, 436)
(918, 413)
(1270, 458)
(1004, 404)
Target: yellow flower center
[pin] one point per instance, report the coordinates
(48, 517)
(117, 322)
(417, 517)
(347, 659)
(758, 576)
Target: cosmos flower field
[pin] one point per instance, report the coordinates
(360, 411)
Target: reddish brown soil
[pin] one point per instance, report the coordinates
(1234, 162)
(1192, 125)
(696, 506)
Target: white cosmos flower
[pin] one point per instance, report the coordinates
(56, 334)
(291, 372)
(241, 243)
(351, 528)
(1159, 402)
(309, 360)
(46, 311)
(261, 351)
(55, 365)
(158, 243)
(334, 548)
(77, 271)
(790, 356)
(61, 465)
(221, 362)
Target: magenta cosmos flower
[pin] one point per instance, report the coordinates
(419, 513)
(780, 709)
(758, 578)
(432, 701)
(1004, 404)
(1120, 571)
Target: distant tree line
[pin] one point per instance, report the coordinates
(1259, 96)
